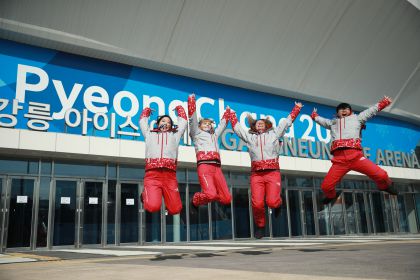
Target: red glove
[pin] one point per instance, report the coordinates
(226, 115)
(295, 112)
(314, 115)
(146, 113)
(383, 103)
(191, 105)
(181, 112)
(233, 119)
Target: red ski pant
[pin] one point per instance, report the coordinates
(213, 185)
(352, 159)
(158, 182)
(265, 184)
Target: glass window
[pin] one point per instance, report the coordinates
(240, 178)
(298, 181)
(192, 176)
(84, 170)
(112, 171)
(131, 172)
(18, 166)
(353, 184)
(181, 175)
(46, 167)
(241, 212)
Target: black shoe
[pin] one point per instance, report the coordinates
(259, 232)
(391, 190)
(141, 198)
(277, 211)
(327, 200)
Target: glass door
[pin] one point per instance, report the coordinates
(296, 212)
(2, 209)
(350, 207)
(18, 210)
(129, 214)
(362, 213)
(241, 212)
(92, 212)
(308, 214)
(65, 212)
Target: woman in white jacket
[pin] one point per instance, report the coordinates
(161, 161)
(347, 151)
(206, 143)
(263, 145)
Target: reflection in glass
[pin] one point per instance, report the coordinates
(64, 213)
(176, 225)
(20, 214)
(323, 216)
(221, 221)
(337, 216)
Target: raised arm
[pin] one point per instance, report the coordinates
(285, 124)
(237, 128)
(192, 116)
(144, 121)
(326, 123)
(223, 122)
(182, 121)
(371, 111)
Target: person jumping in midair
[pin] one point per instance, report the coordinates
(347, 150)
(264, 147)
(161, 161)
(210, 175)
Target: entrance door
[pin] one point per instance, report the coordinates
(18, 212)
(241, 212)
(129, 218)
(2, 209)
(91, 208)
(296, 212)
(308, 214)
(65, 212)
(362, 210)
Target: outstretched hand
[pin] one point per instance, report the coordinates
(299, 104)
(314, 110)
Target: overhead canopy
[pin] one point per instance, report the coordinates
(325, 51)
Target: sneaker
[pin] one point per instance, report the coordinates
(391, 190)
(277, 211)
(327, 200)
(141, 198)
(259, 232)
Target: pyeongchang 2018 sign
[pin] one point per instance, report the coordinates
(51, 91)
